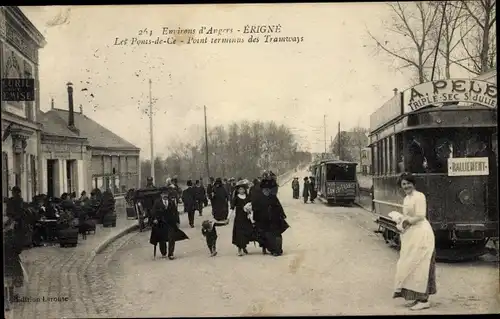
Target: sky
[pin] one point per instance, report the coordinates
(335, 71)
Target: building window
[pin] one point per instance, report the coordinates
(28, 105)
(71, 176)
(18, 163)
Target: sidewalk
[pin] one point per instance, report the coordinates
(61, 273)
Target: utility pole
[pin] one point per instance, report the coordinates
(339, 143)
(151, 131)
(206, 142)
(324, 127)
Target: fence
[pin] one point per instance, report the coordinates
(118, 183)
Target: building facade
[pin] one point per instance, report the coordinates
(80, 154)
(21, 130)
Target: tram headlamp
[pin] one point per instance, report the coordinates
(465, 197)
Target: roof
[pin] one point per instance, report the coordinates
(54, 125)
(337, 162)
(97, 135)
(26, 25)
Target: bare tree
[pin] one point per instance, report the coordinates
(453, 16)
(478, 37)
(413, 23)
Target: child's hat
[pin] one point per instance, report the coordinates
(205, 224)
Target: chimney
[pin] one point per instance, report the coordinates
(71, 118)
(395, 91)
(52, 103)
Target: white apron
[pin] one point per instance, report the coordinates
(417, 248)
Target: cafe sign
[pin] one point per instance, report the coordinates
(472, 166)
(446, 91)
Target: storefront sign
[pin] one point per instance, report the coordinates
(446, 91)
(472, 166)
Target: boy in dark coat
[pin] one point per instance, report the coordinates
(312, 188)
(189, 200)
(209, 231)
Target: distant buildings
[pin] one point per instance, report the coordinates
(352, 146)
(60, 150)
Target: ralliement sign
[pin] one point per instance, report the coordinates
(455, 90)
(471, 166)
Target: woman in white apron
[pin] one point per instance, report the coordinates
(415, 275)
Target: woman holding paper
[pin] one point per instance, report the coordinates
(415, 275)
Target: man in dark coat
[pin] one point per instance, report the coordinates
(178, 190)
(201, 197)
(312, 188)
(306, 189)
(295, 187)
(16, 210)
(269, 218)
(210, 188)
(166, 223)
(189, 200)
(220, 205)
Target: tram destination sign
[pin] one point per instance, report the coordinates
(470, 166)
(446, 91)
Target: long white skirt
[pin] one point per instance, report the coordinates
(417, 248)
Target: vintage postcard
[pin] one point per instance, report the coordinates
(210, 160)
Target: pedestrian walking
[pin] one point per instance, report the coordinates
(312, 188)
(220, 206)
(415, 278)
(210, 188)
(166, 224)
(295, 187)
(200, 196)
(242, 225)
(269, 218)
(306, 189)
(189, 200)
(15, 275)
(209, 231)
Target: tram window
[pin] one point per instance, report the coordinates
(340, 172)
(429, 150)
(400, 167)
(391, 154)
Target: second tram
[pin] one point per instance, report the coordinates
(336, 181)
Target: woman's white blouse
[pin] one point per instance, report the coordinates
(415, 204)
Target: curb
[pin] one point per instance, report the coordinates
(104, 244)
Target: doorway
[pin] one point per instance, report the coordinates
(51, 172)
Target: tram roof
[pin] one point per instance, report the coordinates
(337, 162)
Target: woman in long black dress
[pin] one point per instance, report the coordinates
(242, 226)
(220, 207)
(270, 218)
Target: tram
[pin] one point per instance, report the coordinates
(450, 148)
(336, 181)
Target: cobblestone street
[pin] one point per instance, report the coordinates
(56, 272)
(333, 264)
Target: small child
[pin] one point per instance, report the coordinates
(209, 230)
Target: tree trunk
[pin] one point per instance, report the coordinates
(486, 38)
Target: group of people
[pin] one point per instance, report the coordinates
(258, 214)
(26, 225)
(309, 189)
